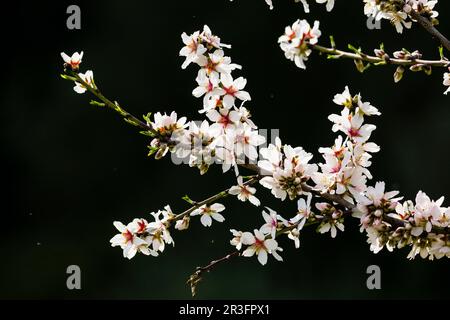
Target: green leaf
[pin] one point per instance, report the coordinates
(334, 56)
(355, 50)
(152, 150)
(147, 117)
(131, 121)
(332, 43)
(188, 200)
(66, 77)
(97, 103)
(441, 52)
(147, 133)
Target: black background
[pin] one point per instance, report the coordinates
(70, 169)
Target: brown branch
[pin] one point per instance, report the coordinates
(337, 54)
(430, 28)
(196, 277)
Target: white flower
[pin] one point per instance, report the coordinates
(303, 213)
(273, 156)
(224, 119)
(398, 19)
(261, 246)
(344, 98)
(199, 143)
(241, 238)
(331, 225)
(247, 140)
(207, 86)
(352, 125)
(332, 220)
(159, 234)
(245, 117)
(193, 49)
(167, 127)
(73, 61)
(426, 211)
(377, 195)
(447, 82)
(87, 77)
(244, 192)
(128, 241)
(232, 89)
(271, 218)
(296, 40)
(218, 63)
(209, 212)
(291, 172)
(182, 224)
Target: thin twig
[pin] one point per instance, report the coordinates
(379, 60)
(196, 277)
(211, 199)
(112, 105)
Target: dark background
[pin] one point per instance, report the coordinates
(70, 170)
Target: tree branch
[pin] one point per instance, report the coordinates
(112, 105)
(211, 199)
(430, 28)
(337, 54)
(196, 277)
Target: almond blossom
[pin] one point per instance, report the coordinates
(287, 175)
(337, 188)
(74, 60)
(244, 192)
(303, 213)
(129, 241)
(193, 50)
(296, 40)
(262, 247)
(241, 238)
(208, 213)
(272, 220)
(232, 89)
(87, 77)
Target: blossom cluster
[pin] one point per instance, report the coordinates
(395, 11)
(151, 238)
(391, 223)
(285, 169)
(227, 135)
(338, 185)
(73, 62)
(398, 12)
(345, 170)
(144, 237)
(262, 241)
(296, 40)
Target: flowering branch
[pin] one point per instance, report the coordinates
(326, 192)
